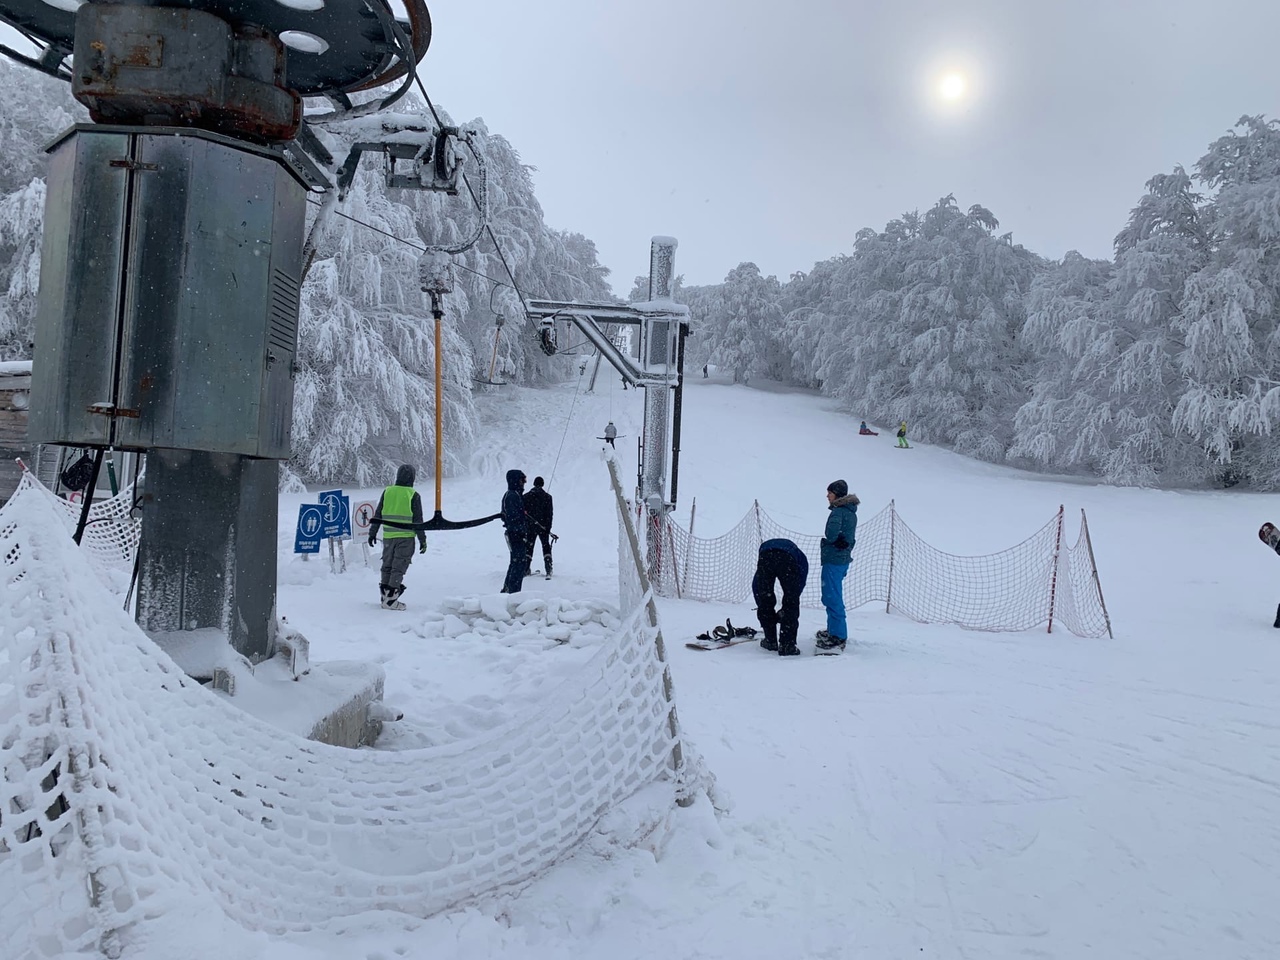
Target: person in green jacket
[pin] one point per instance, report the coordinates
(400, 513)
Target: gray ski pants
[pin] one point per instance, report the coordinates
(397, 554)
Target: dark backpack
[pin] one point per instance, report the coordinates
(77, 476)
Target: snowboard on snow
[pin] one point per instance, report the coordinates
(725, 636)
(712, 643)
(1269, 534)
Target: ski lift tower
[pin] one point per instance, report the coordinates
(663, 325)
(167, 316)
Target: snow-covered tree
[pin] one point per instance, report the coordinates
(1230, 318)
(744, 325)
(1106, 379)
(36, 108)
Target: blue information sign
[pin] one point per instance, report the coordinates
(336, 514)
(310, 528)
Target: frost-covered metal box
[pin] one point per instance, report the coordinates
(168, 305)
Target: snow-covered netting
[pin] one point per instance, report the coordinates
(128, 787)
(111, 535)
(1040, 580)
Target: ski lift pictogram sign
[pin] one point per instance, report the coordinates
(336, 513)
(310, 528)
(362, 516)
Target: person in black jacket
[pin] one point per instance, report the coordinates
(539, 508)
(783, 563)
(516, 532)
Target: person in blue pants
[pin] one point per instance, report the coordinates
(838, 540)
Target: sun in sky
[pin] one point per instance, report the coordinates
(952, 87)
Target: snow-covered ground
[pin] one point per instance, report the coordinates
(933, 793)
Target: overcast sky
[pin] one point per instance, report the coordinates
(774, 132)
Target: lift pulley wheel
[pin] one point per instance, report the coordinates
(335, 46)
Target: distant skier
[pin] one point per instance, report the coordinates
(704, 371)
(610, 433)
(902, 434)
(516, 532)
(780, 561)
(398, 505)
(838, 540)
(540, 509)
(865, 431)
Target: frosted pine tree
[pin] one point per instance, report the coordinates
(1106, 380)
(35, 109)
(1230, 319)
(21, 220)
(364, 398)
(1162, 245)
(930, 311)
(745, 325)
(1068, 331)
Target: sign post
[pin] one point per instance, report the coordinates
(306, 540)
(336, 518)
(362, 520)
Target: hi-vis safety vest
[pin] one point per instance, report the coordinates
(397, 506)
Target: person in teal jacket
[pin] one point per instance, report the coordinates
(838, 540)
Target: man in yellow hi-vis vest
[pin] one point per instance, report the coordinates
(400, 513)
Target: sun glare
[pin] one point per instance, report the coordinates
(952, 87)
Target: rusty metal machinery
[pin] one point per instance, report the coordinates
(338, 47)
(173, 256)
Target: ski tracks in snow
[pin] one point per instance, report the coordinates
(951, 794)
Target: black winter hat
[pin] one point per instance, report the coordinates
(839, 488)
(537, 481)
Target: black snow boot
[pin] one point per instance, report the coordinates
(547, 560)
(385, 591)
(791, 651)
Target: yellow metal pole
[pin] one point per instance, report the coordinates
(439, 314)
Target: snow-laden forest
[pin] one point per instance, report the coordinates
(1159, 367)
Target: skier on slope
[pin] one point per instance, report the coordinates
(540, 509)
(838, 540)
(399, 504)
(902, 434)
(780, 561)
(610, 433)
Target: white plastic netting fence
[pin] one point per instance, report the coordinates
(1041, 580)
(127, 786)
(111, 535)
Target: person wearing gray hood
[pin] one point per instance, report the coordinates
(837, 550)
(399, 513)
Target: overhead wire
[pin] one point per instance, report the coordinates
(493, 238)
(409, 243)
